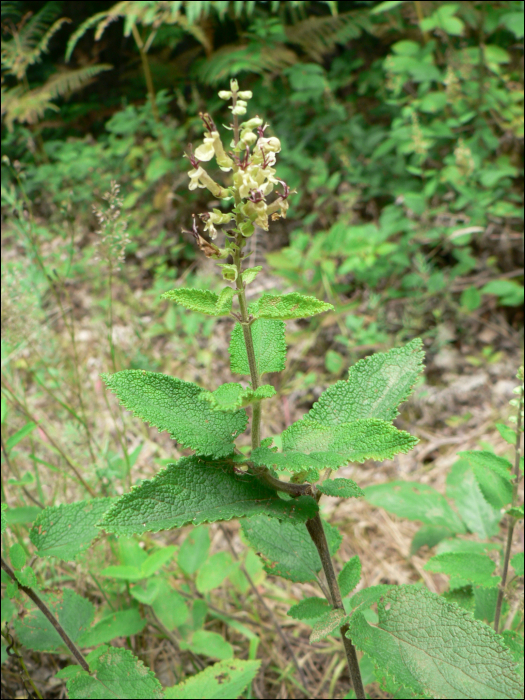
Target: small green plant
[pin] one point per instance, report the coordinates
(420, 644)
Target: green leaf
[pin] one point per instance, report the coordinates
(340, 488)
(309, 608)
(470, 298)
(157, 560)
(231, 397)
(485, 604)
(442, 19)
(115, 673)
(514, 642)
(333, 536)
(286, 546)
(17, 555)
(516, 512)
(517, 563)
(429, 535)
(198, 490)
(464, 597)
(368, 596)
(148, 590)
(66, 530)
(202, 300)
(214, 570)
(357, 441)
(462, 486)
(375, 387)
(414, 501)
(385, 6)
(19, 436)
(508, 292)
(288, 306)
(435, 648)
(250, 274)
(456, 544)
(476, 568)
(210, 644)
(333, 361)
(125, 572)
(488, 460)
(222, 681)
(349, 576)
(122, 623)
(493, 475)
(194, 550)
(508, 434)
(4, 518)
(513, 21)
(330, 623)
(296, 461)
(169, 606)
(74, 613)
(269, 346)
(172, 404)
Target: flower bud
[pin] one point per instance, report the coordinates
(248, 137)
(234, 85)
(245, 95)
(247, 229)
(225, 94)
(242, 103)
(229, 272)
(240, 111)
(252, 123)
(257, 213)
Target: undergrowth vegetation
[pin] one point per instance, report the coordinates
(400, 132)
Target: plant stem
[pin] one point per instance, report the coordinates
(315, 529)
(511, 519)
(245, 323)
(250, 350)
(147, 71)
(49, 616)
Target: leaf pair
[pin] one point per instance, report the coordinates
(351, 422)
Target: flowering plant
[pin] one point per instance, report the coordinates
(420, 643)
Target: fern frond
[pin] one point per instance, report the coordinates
(28, 44)
(11, 9)
(319, 35)
(30, 33)
(197, 32)
(28, 106)
(277, 57)
(61, 84)
(76, 36)
(43, 45)
(229, 61)
(196, 10)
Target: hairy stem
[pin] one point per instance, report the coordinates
(250, 350)
(315, 529)
(246, 330)
(511, 519)
(49, 616)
